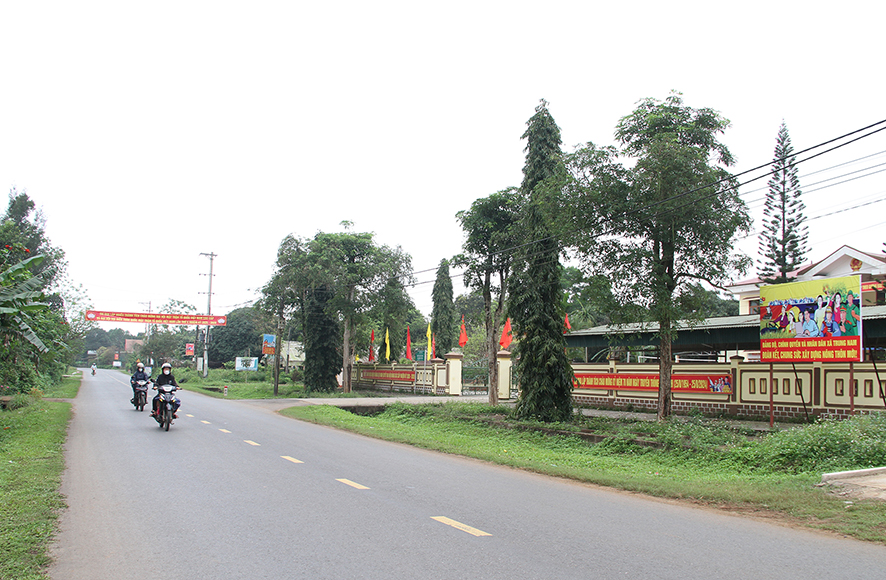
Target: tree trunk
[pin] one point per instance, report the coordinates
(345, 356)
(665, 366)
(491, 351)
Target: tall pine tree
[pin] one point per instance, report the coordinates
(784, 236)
(443, 319)
(535, 307)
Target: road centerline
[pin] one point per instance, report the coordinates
(460, 526)
(352, 484)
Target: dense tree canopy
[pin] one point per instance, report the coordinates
(351, 268)
(491, 230)
(33, 328)
(661, 223)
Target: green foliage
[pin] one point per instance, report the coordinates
(535, 305)
(828, 445)
(322, 346)
(491, 226)
(444, 324)
(784, 235)
(541, 365)
(241, 336)
(664, 222)
(353, 269)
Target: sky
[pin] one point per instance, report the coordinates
(149, 133)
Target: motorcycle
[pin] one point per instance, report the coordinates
(141, 395)
(166, 406)
(93, 371)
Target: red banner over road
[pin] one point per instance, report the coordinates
(156, 318)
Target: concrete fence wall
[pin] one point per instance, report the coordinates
(738, 389)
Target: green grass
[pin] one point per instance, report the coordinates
(68, 387)
(31, 463)
(701, 461)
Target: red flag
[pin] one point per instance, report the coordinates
(371, 348)
(463, 337)
(506, 337)
(434, 346)
(568, 326)
(408, 344)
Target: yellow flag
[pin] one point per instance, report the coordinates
(428, 355)
(387, 346)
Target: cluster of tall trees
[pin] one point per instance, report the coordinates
(649, 219)
(334, 287)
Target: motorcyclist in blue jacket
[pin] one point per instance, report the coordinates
(139, 375)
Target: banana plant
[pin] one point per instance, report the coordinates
(21, 293)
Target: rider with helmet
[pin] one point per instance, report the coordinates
(139, 375)
(165, 378)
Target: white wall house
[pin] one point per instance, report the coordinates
(846, 261)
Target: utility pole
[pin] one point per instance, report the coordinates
(211, 256)
(147, 326)
(148, 331)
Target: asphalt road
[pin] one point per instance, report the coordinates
(235, 491)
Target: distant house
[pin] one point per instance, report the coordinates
(846, 261)
(131, 343)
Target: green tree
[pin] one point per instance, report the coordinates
(350, 266)
(587, 299)
(664, 222)
(490, 226)
(784, 236)
(241, 336)
(322, 346)
(535, 305)
(470, 306)
(444, 324)
(393, 310)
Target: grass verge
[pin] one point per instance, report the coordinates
(31, 464)
(706, 463)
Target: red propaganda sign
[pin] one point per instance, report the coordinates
(156, 318)
(812, 320)
(649, 382)
(387, 375)
(189, 349)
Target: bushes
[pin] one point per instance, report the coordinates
(828, 445)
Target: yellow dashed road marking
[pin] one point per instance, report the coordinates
(204, 422)
(252, 442)
(460, 526)
(292, 459)
(352, 484)
(189, 415)
(224, 430)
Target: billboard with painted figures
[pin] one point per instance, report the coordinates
(816, 320)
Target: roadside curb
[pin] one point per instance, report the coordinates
(851, 474)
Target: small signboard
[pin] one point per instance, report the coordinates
(268, 344)
(246, 363)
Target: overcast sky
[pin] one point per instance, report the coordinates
(149, 133)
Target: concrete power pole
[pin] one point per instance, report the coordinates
(211, 256)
